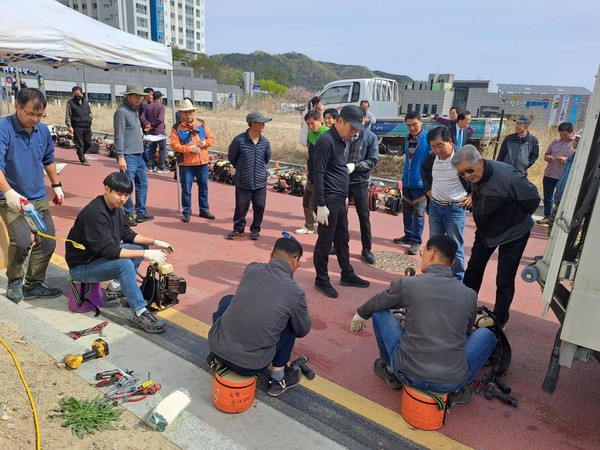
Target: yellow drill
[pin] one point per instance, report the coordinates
(99, 350)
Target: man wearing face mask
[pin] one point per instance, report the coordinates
(331, 178)
(79, 121)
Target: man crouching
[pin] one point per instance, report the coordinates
(258, 326)
(113, 250)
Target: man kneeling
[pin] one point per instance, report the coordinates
(435, 348)
(113, 250)
(259, 325)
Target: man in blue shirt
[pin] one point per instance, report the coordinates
(26, 152)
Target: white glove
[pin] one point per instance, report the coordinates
(323, 215)
(194, 149)
(157, 256)
(358, 323)
(202, 143)
(13, 200)
(164, 245)
(351, 167)
(59, 196)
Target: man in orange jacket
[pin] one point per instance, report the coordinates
(192, 138)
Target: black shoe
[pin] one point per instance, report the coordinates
(143, 218)
(85, 162)
(326, 289)
(129, 220)
(185, 217)
(368, 256)
(382, 371)
(291, 378)
(41, 291)
(332, 251)
(235, 234)
(255, 235)
(461, 397)
(354, 281)
(207, 215)
(402, 240)
(414, 249)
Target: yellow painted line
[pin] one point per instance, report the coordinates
(356, 403)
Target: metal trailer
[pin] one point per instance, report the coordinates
(568, 272)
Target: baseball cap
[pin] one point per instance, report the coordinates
(523, 119)
(354, 115)
(256, 116)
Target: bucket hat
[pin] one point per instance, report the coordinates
(134, 88)
(185, 105)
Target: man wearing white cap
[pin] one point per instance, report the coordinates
(129, 147)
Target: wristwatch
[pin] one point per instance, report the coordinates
(59, 184)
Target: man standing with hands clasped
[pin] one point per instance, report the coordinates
(331, 181)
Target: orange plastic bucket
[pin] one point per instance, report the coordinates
(423, 409)
(233, 393)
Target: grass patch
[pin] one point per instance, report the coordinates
(86, 416)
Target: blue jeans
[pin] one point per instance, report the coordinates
(413, 213)
(187, 174)
(122, 269)
(450, 220)
(136, 170)
(283, 349)
(388, 333)
(549, 184)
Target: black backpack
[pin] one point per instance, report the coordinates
(502, 354)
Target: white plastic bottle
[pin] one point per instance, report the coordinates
(169, 409)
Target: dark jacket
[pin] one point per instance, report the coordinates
(154, 115)
(101, 230)
(78, 116)
(503, 202)
(330, 172)
(519, 152)
(440, 312)
(250, 161)
(448, 123)
(312, 138)
(265, 303)
(427, 174)
(364, 152)
(454, 135)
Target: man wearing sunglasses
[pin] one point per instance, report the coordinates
(26, 152)
(503, 202)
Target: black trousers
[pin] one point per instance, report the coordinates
(83, 141)
(359, 192)
(337, 233)
(243, 197)
(509, 256)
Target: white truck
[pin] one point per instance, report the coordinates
(568, 271)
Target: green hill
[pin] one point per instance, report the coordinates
(296, 69)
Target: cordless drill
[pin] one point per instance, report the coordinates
(99, 350)
(302, 364)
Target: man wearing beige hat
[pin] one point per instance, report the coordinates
(129, 148)
(191, 137)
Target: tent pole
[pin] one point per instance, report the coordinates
(178, 179)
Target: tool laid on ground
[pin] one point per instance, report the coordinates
(491, 392)
(302, 363)
(99, 350)
(111, 377)
(95, 329)
(136, 395)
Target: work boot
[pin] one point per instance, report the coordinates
(149, 322)
(291, 378)
(354, 281)
(41, 291)
(326, 289)
(383, 372)
(14, 290)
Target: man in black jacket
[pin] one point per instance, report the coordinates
(503, 202)
(520, 149)
(78, 119)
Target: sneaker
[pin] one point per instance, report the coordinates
(235, 234)
(148, 169)
(14, 290)
(130, 220)
(402, 240)
(113, 291)
(332, 251)
(149, 322)
(155, 169)
(185, 217)
(461, 397)
(165, 170)
(255, 235)
(213, 363)
(304, 230)
(543, 221)
(207, 215)
(327, 290)
(85, 162)
(143, 218)
(414, 249)
(41, 291)
(354, 281)
(368, 256)
(383, 372)
(290, 379)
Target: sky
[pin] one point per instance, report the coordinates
(545, 42)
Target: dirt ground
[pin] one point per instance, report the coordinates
(49, 383)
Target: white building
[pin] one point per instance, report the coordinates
(178, 23)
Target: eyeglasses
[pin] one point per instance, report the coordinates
(32, 115)
(462, 173)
